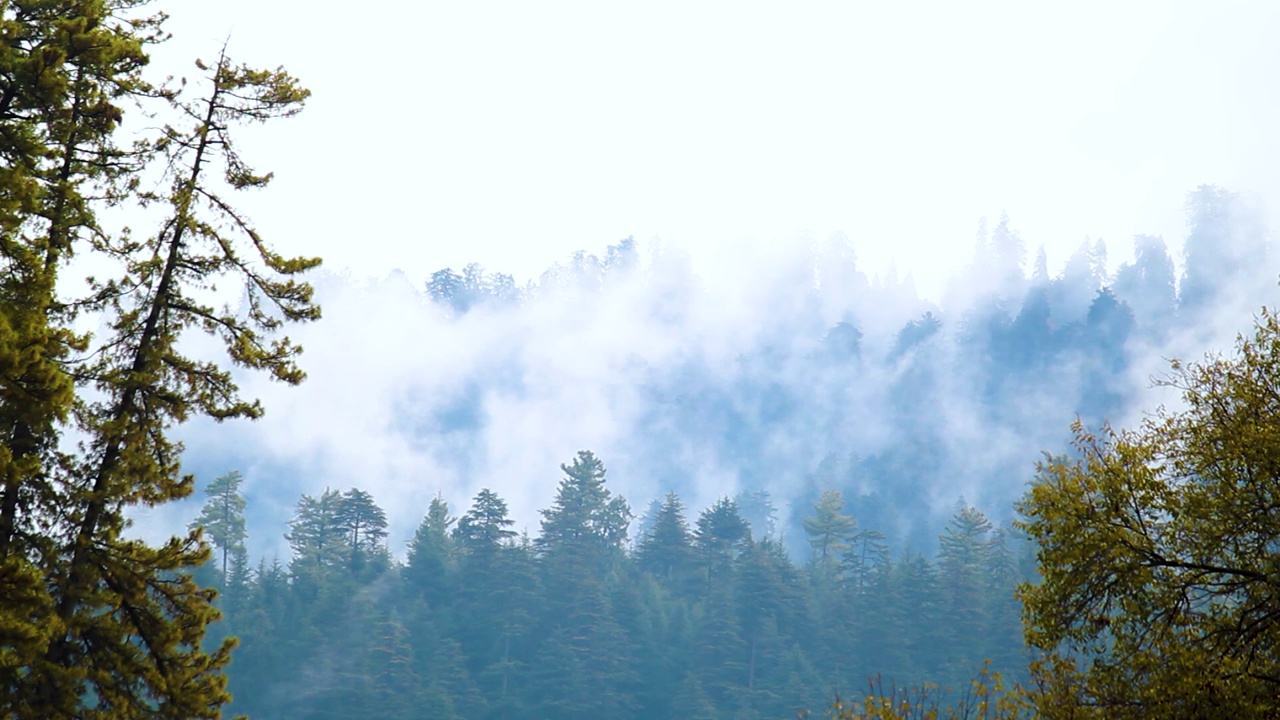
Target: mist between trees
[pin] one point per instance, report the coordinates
(698, 618)
(837, 438)
(850, 489)
(783, 368)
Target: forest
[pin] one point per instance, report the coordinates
(697, 618)
(746, 605)
(631, 487)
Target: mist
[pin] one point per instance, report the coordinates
(782, 366)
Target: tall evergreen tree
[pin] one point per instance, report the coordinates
(365, 525)
(484, 527)
(496, 593)
(720, 534)
(395, 689)
(770, 597)
(963, 557)
(66, 70)
(581, 544)
(318, 536)
(431, 559)
(586, 526)
(829, 530)
(107, 589)
(222, 519)
(666, 550)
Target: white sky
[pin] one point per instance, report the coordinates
(514, 133)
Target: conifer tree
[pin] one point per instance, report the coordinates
(222, 518)
(104, 590)
(431, 558)
(667, 550)
(963, 558)
(719, 535)
(65, 69)
(692, 702)
(586, 525)
(395, 688)
(365, 525)
(317, 535)
(829, 530)
(769, 595)
(486, 526)
(495, 589)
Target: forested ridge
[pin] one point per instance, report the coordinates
(702, 615)
(1025, 497)
(790, 372)
(799, 585)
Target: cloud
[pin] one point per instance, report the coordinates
(705, 375)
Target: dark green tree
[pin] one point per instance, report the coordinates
(318, 536)
(666, 550)
(365, 525)
(586, 526)
(830, 531)
(719, 536)
(222, 520)
(963, 558)
(770, 596)
(432, 560)
(109, 590)
(485, 527)
(692, 702)
(497, 596)
(395, 690)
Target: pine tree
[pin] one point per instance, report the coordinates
(365, 525)
(666, 550)
(222, 519)
(963, 556)
(691, 701)
(586, 526)
(719, 536)
(718, 651)
(107, 589)
(829, 531)
(1004, 646)
(395, 688)
(65, 69)
(581, 543)
(318, 536)
(497, 590)
(431, 560)
(770, 596)
(485, 527)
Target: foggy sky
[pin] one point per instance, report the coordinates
(734, 143)
(511, 134)
(407, 399)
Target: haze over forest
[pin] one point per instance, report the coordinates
(782, 367)
(668, 478)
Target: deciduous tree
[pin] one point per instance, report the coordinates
(1157, 549)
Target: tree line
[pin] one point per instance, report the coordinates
(697, 617)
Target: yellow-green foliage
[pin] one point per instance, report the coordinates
(92, 624)
(986, 698)
(1158, 550)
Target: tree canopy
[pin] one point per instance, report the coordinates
(95, 623)
(1157, 550)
